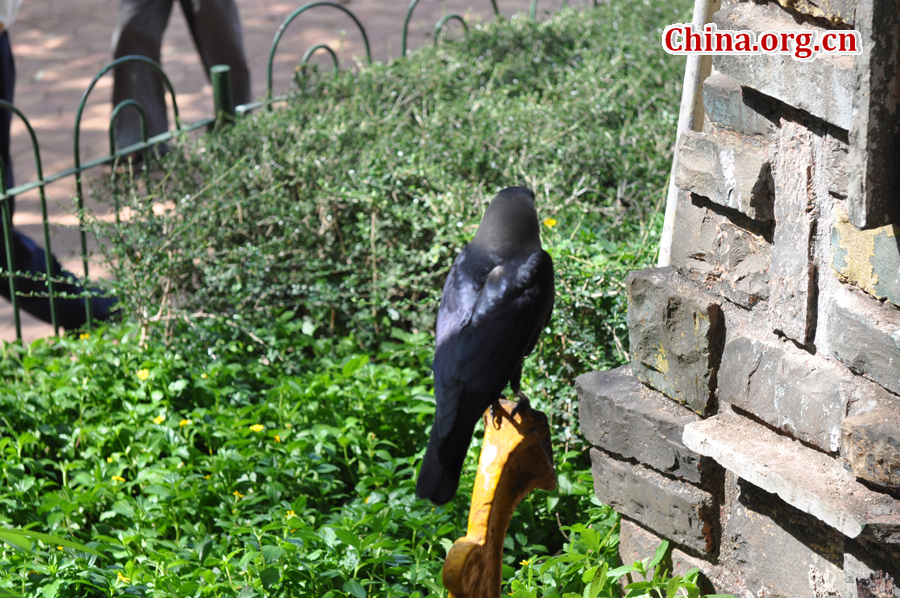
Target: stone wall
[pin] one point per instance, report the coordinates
(757, 426)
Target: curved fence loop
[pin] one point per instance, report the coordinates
(308, 54)
(409, 12)
(296, 14)
(39, 172)
(439, 26)
(79, 193)
(142, 118)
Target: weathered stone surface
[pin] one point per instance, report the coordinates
(672, 509)
(723, 99)
(822, 87)
(676, 336)
(804, 478)
(781, 552)
(835, 157)
(624, 417)
(836, 12)
(637, 544)
(729, 169)
(868, 259)
(793, 272)
(723, 256)
(873, 176)
(867, 342)
(803, 395)
(870, 445)
(869, 575)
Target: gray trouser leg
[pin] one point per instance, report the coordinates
(216, 28)
(139, 31)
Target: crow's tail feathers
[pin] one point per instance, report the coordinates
(443, 463)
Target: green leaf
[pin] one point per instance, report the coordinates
(353, 587)
(50, 590)
(272, 553)
(10, 536)
(269, 577)
(354, 364)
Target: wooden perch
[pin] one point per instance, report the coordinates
(515, 459)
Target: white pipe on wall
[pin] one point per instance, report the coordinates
(690, 115)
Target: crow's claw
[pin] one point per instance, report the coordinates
(523, 404)
(496, 414)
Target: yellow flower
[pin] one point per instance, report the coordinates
(185, 422)
(159, 418)
(550, 222)
(59, 548)
(290, 514)
(143, 374)
(277, 438)
(118, 478)
(122, 577)
(204, 376)
(238, 494)
(526, 562)
(84, 336)
(257, 427)
(109, 459)
(367, 500)
(207, 476)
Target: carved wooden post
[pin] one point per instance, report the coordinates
(515, 459)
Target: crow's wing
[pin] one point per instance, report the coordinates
(486, 326)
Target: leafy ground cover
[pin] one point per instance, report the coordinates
(254, 426)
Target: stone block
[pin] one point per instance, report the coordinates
(870, 444)
(675, 510)
(868, 259)
(874, 139)
(638, 544)
(726, 107)
(804, 478)
(822, 87)
(781, 552)
(793, 272)
(835, 157)
(729, 169)
(622, 416)
(867, 341)
(676, 336)
(722, 255)
(869, 572)
(803, 395)
(836, 12)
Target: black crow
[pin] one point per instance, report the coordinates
(497, 299)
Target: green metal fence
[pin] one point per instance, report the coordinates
(224, 111)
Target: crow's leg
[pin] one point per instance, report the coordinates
(496, 413)
(524, 403)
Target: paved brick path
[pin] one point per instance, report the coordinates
(59, 46)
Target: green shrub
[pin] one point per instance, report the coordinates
(348, 204)
(202, 473)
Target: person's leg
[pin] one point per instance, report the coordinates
(139, 31)
(216, 28)
(27, 255)
(7, 86)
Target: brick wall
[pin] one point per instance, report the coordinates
(757, 426)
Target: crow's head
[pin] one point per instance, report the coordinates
(510, 223)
